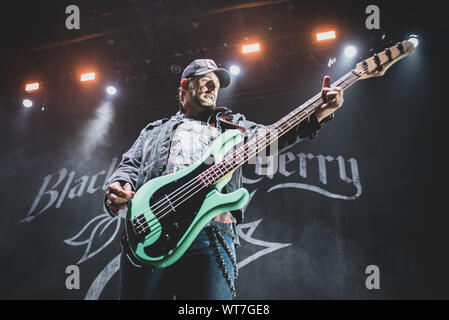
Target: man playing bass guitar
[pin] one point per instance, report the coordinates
(208, 268)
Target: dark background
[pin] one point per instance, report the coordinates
(395, 127)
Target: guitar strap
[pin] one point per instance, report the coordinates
(224, 119)
(229, 125)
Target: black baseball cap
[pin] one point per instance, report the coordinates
(202, 66)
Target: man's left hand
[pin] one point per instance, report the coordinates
(333, 98)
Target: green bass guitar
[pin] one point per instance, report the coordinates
(167, 213)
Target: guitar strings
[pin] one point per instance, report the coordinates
(173, 204)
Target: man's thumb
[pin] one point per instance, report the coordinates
(327, 82)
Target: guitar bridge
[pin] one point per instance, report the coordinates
(140, 226)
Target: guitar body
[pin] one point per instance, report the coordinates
(167, 213)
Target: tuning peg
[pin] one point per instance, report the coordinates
(388, 54)
(400, 47)
(377, 61)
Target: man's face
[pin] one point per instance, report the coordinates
(204, 90)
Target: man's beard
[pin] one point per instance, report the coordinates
(198, 101)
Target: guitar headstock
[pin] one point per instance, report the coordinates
(379, 63)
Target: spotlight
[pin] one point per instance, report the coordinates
(350, 51)
(111, 90)
(413, 38)
(331, 62)
(175, 68)
(31, 87)
(234, 70)
(325, 35)
(88, 76)
(27, 103)
(251, 48)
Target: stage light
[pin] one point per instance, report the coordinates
(31, 87)
(111, 90)
(251, 48)
(27, 103)
(413, 38)
(331, 62)
(414, 41)
(234, 70)
(350, 51)
(326, 35)
(88, 76)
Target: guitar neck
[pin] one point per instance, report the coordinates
(273, 132)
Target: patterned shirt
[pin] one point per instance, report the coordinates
(190, 141)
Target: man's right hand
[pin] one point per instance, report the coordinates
(118, 194)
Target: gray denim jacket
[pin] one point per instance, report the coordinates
(147, 157)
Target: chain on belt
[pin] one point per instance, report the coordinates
(216, 238)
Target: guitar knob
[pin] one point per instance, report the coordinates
(167, 237)
(176, 226)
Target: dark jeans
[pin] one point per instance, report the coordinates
(197, 275)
